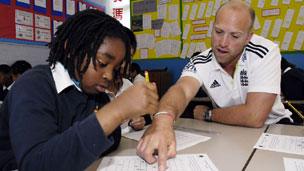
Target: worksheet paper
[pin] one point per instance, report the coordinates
(186, 162)
(292, 164)
(183, 139)
(281, 143)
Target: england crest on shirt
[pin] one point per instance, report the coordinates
(243, 78)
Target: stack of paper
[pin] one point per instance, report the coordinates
(192, 162)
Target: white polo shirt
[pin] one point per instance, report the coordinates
(138, 79)
(258, 70)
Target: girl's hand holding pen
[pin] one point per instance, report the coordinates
(138, 123)
(138, 100)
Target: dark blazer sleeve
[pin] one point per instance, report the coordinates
(34, 130)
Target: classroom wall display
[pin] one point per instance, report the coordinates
(36, 21)
(156, 24)
(279, 21)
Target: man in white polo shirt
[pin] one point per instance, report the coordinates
(256, 72)
(240, 73)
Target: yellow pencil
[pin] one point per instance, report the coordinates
(294, 109)
(147, 76)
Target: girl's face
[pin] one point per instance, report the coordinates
(108, 59)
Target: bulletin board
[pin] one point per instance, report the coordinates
(36, 21)
(280, 21)
(157, 26)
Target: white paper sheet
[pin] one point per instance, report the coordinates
(200, 47)
(288, 18)
(256, 24)
(163, 47)
(266, 28)
(24, 32)
(191, 49)
(201, 10)
(277, 27)
(209, 9)
(58, 5)
(186, 31)
(40, 3)
(185, 50)
(143, 53)
(300, 18)
(281, 143)
(193, 11)
(42, 21)
(42, 35)
(23, 17)
(299, 41)
(248, 2)
(173, 12)
(185, 12)
(217, 4)
(198, 36)
(175, 47)
(261, 3)
(165, 30)
(286, 2)
(210, 29)
(196, 22)
(175, 29)
(271, 12)
(274, 2)
(186, 162)
(147, 21)
(145, 41)
(157, 33)
(201, 28)
(183, 139)
(162, 11)
(292, 164)
(70, 7)
(164, 1)
(286, 41)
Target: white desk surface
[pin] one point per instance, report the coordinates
(264, 160)
(229, 147)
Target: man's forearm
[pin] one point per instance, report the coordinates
(253, 113)
(238, 115)
(174, 101)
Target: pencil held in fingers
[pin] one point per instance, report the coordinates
(147, 76)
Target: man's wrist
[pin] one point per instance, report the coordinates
(162, 122)
(168, 114)
(208, 115)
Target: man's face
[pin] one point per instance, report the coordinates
(230, 35)
(108, 59)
